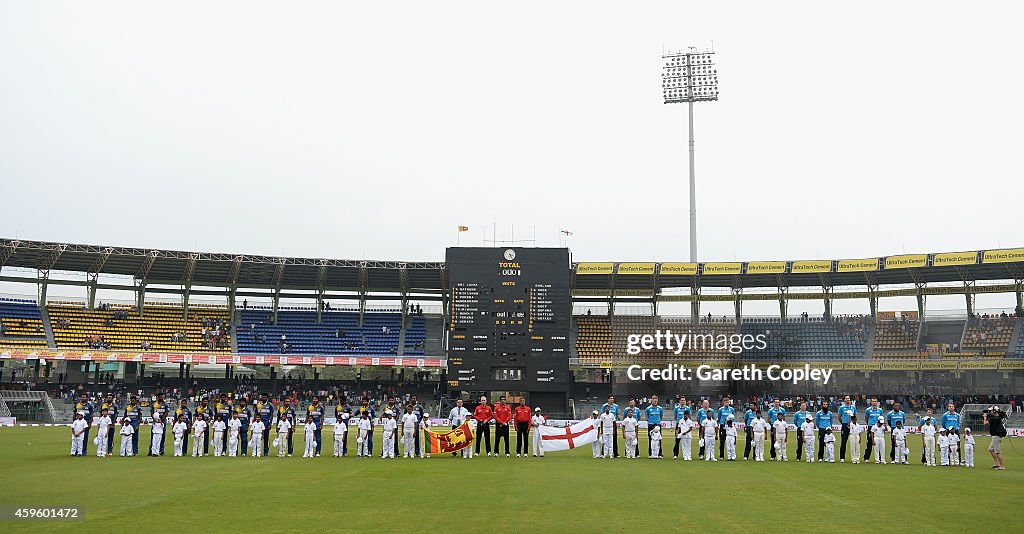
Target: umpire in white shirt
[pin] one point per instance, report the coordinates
(457, 416)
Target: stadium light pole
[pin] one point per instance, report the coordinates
(690, 77)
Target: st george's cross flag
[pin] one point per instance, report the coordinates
(570, 437)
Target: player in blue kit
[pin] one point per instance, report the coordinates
(160, 408)
(316, 411)
(871, 415)
(244, 418)
(773, 415)
(723, 416)
(846, 410)
(951, 419)
(822, 421)
(748, 417)
(84, 407)
(654, 414)
(111, 409)
(799, 418)
(265, 412)
(896, 415)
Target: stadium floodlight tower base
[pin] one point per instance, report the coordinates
(690, 77)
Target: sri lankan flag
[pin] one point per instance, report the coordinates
(454, 440)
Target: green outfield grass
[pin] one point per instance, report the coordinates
(565, 491)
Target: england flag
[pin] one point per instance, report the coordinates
(570, 437)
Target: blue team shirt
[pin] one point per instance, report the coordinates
(134, 415)
(654, 414)
(243, 417)
(612, 409)
(679, 411)
(724, 412)
(845, 412)
(773, 414)
(86, 409)
(823, 419)
(871, 415)
(748, 416)
(894, 416)
(800, 418)
(702, 414)
(951, 420)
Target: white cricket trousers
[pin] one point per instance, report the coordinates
(232, 444)
(77, 442)
(655, 448)
(901, 453)
(782, 453)
(686, 444)
(179, 442)
(126, 446)
(197, 444)
(218, 444)
(879, 450)
(855, 447)
(362, 449)
(537, 450)
(408, 443)
(158, 443)
(929, 450)
(758, 446)
(968, 455)
(101, 448)
(389, 446)
(339, 442)
(809, 446)
(730, 447)
(630, 444)
(709, 449)
(606, 440)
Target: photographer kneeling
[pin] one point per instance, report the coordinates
(994, 419)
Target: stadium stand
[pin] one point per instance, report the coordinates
(1018, 351)
(120, 327)
(297, 332)
(21, 324)
(812, 338)
(989, 336)
(893, 335)
(593, 338)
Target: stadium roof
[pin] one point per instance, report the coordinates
(171, 267)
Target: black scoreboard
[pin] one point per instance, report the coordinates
(508, 319)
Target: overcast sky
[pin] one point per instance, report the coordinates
(371, 130)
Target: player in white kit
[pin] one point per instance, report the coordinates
(685, 436)
(157, 432)
(730, 438)
(943, 447)
(781, 435)
(656, 441)
(409, 421)
(234, 428)
(198, 433)
(127, 432)
(954, 446)
(536, 422)
(808, 431)
(595, 448)
(258, 427)
(927, 430)
(219, 426)
(855, 431)
(899, 437)
(968, 448)
(365, 425)
(608, 420)
(310, 435)
(340, 429)
(179, 430)
(760, 427)
(710, 427)
(284, 427)
(78, 428)
(390, 429)
(830, 446)
(878, 435)
(629, 426)
(103, 427)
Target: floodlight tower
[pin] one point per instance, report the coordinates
(690, 77)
